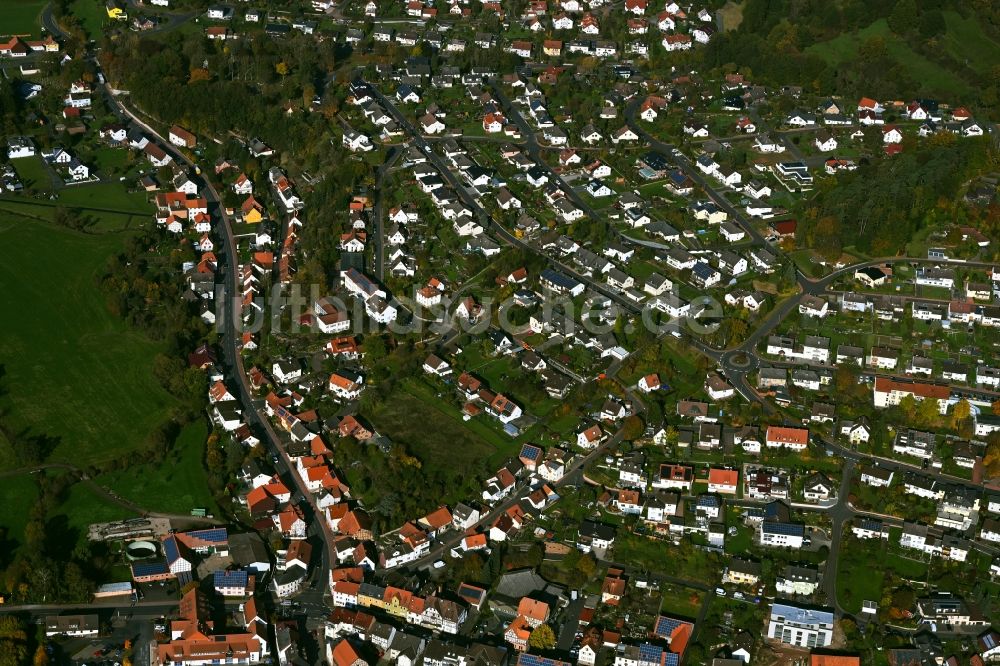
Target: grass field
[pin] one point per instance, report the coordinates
(91, 14)
(44, 210)
(437, 437)
(82, 507)
(18, 495)
(74, 371)
(20, 17)
(858, 581)
(177, 485)
(32, 172)
(112, 196)
(934, 77)
(966, 42)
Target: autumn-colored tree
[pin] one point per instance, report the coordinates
(961, 410)
(908, 405)
(960, 414)
(11, 628)
(929, 412)
(199, 74)
(826, 235)
(991, 460)
(587, 566)
(632, 428)
(996, 408)
(281, 68)
(542, 638)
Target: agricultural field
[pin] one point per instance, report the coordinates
(45, 211)
(74, 372)
(106, 196)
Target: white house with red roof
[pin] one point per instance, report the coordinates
(796, 439)
(888, 392)
(649, 383)
(590, 438)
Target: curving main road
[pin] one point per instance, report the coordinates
(232, 360)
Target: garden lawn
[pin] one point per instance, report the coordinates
(74, 371)
(680, 601)
(109, 159)
(176, 485)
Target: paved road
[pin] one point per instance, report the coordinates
(839, 514)
(50, 24)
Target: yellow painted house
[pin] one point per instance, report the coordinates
(253, 211)
(116, 10)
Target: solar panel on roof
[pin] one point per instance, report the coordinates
(214, 534)
(535, 660)
(140, 570)
(665, 626)
(650, 653)
(170, 548)
(229, 578)
(789, 529)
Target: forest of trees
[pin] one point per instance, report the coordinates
(771, 43)
(884, 203)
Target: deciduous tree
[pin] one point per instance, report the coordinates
(542, 638)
